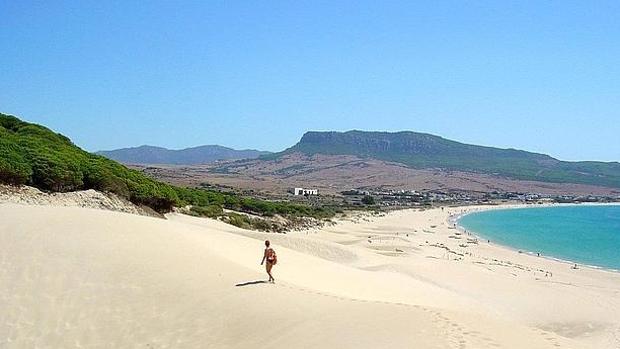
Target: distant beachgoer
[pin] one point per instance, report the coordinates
(270, 257)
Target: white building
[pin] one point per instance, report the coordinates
(302, 191)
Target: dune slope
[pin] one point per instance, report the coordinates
(76, 277)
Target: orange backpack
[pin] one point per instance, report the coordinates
(271, 256)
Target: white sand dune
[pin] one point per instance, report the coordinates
(76, 277)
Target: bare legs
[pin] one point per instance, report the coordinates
(268, 268)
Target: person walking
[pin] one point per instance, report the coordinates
(271, 258)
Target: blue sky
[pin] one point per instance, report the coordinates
(536, 75)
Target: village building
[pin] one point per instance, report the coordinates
(303, 191)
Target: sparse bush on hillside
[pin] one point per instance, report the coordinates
(245, 222)
(210, 211)
(368, 200)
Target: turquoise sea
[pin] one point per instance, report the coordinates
(584, 234)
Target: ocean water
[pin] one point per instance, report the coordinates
(584, 234)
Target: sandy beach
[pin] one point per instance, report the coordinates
(74, 277)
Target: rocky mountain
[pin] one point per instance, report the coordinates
(190, 156)
(426, 151)
(332, 174)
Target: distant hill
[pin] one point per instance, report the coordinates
(191, 156)
(420, 150)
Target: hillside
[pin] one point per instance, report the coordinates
(33, 155)
(332, 174)
(190, 156)
(425, 151)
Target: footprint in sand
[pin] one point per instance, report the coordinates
(548, 336)
(458, 336)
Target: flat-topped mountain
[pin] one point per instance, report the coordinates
(420, 150)
(147, 154)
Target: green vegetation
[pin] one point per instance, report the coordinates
(368, 200)
(419, 150)
(245, 222)
(34, 155)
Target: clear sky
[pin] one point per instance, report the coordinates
(535, 75)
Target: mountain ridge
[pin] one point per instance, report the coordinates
(148, 154)
(423, 150)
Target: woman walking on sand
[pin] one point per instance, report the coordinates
(271, 258)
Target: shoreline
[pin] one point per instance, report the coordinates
(540, 291)
(455, 220)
